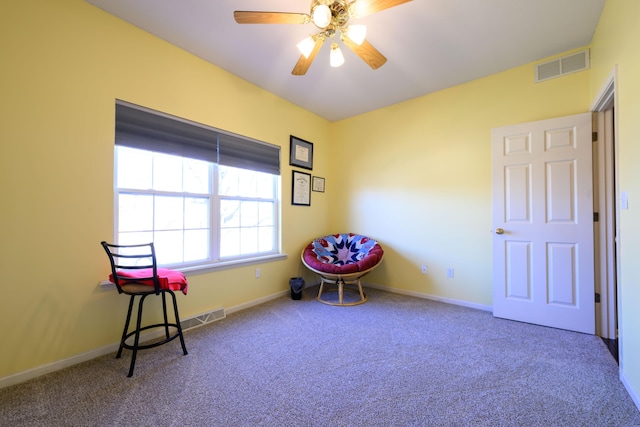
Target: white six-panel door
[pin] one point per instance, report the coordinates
(543, 223)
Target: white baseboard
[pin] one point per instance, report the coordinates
(431, 297)
(255, 302)
(632, 393)
(29, 374)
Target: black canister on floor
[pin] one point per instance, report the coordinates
(297, 285)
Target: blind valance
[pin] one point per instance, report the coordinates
(143, 129)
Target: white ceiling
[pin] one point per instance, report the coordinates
(429, 44)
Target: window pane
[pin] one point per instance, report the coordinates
(228, 185)
(135, 238)
(134, 168)
(249, 240)
(229, 242)
(134, 262)
(247, 183)
(265, 239)
(265, 185)
(167, 172)
(168, 246)
(135, 212)
(168, 213)
(196, 176)
(229, 213)
(196, 245)
(249, 214)
(196, 212)
(265, 213)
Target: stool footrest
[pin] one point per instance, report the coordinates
(175, 335)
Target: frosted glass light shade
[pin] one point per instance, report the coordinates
(321, 16)
(306, 46)
(357, 9)
(357, 33)
(336, 58)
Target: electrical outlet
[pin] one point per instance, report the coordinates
(257, 272)
(450, 273)
(424, 269)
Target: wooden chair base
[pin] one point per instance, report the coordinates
(340, 285)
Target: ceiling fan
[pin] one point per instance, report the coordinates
(331, 17)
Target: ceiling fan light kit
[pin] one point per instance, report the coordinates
(336, 58)
(357, 33)
(306, 46)
(330, 16)
(321, 15)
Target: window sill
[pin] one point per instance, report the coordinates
(200, 269)
(106, 285)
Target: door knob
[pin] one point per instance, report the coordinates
(499, 231)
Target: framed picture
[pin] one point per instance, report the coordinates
(301, 188)
(318, 184)
(301, 153)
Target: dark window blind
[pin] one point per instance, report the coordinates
(241, 153)
(139, 128)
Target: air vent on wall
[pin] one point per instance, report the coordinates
(202, 319)
(561, 66)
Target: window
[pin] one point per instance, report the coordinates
(202, 197)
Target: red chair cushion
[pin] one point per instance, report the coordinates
(169, 279)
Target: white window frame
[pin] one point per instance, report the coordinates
(215, 261)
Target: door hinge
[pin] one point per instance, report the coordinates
(596, 217)
(594, 136)
(597, 297)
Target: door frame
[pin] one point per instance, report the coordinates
(606, 203)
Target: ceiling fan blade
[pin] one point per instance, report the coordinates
(366, 52)
(254, 17)
(304, 63)
(367, 7)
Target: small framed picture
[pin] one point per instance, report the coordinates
(318, 184)
(301, 153)
(300, 188)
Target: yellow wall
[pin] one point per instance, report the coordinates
(418, 176)
(64, 63)
(616, 43)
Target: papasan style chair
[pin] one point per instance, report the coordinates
(342, 259)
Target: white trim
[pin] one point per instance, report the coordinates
(431, 297)
(605, 98)
(255, 302)
(106, 285)
(607, 182)
(29, 374)
(630, 390)
(223, 265)
(604, 233)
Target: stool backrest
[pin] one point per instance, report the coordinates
(132, 257)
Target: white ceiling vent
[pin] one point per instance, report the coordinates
(566, 65)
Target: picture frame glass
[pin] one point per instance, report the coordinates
(301, 153)
(318, 184)
(300, 188)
